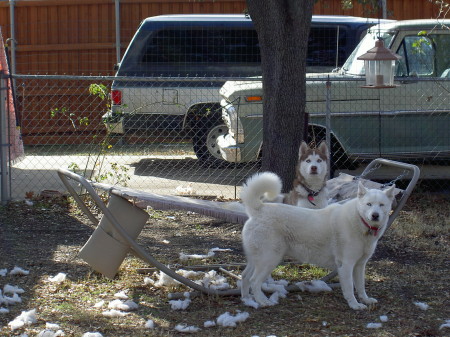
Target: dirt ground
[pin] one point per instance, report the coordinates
(411, 265)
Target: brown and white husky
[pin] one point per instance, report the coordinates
(309, 188)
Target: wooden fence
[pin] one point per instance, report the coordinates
(79, 36)
(87, 37)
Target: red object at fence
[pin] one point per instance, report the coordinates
(14, 139)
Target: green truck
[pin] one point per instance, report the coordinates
(410, 122)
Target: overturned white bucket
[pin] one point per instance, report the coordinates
(106, 249)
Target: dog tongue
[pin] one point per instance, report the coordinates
(311, 199)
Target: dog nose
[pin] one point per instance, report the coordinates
(314, 168)
(375, 216)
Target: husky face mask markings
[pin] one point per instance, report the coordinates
(309, 187)
(339, 236)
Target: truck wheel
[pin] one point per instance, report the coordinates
(339, 159)
(204, 141)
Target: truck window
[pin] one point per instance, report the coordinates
(442, 45)
(203, 52)
(323, 43)
(418, 56)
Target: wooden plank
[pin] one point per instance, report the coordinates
(47, 3)
(64, 47)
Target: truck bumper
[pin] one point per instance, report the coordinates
(113, 122)
(228, 149)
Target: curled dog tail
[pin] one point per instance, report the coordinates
(266, 184)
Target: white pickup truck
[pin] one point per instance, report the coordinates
(410, 122)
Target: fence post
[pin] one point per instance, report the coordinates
(328, 123)
(117, 16)
(13, 36)
(4, 141)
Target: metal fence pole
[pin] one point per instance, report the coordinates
(13, 36)
(328, 123)
(4, 140)
(117, 15)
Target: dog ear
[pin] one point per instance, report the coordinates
(323, 148)
(303, 148)
(361, 190)
(390, 192)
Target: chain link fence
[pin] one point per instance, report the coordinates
(66, 121)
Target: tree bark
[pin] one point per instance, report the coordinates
(283, 28)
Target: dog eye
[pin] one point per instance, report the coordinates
(381, 205)
(319, 160)
(308, 160)
(369, 204)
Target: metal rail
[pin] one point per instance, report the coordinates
(66, 175)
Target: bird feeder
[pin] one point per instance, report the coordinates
(379, 64)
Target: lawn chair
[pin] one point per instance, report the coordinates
(124, 218)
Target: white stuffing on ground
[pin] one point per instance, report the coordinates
(124, 306)
(53, 326)
(51, 333)
(209, 324)
(383, 318)
(99, 304)
(276, 287)
(59, 278)
(10, 289)
(3, 272)
(18, 271)
(180, 304)
(314, 286)
(445, 325)
(184, 257)
(14, 299)
(150, 324)
(9, 300)
(214, 280)
(163, 280)
(186, 328)
(92, 334)
(228, 320)
(211, 279)
(422, 305)
(210, 253)
(374, 325)
(121, 295)
(185, 190)
(114, 313)
(25, 318)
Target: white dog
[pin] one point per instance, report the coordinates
(339, 236)
(309, 187)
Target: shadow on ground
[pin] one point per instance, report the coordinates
(189, 169)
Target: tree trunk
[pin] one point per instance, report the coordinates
(283, 29)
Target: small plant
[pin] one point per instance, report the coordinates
(95, 168)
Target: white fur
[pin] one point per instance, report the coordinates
(334, 237)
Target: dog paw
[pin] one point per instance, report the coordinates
(369, 300)
(264, 302)
(358, 306)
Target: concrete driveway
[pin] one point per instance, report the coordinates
(167, 175)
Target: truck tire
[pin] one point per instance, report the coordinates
(339, 159)
(206, 127)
